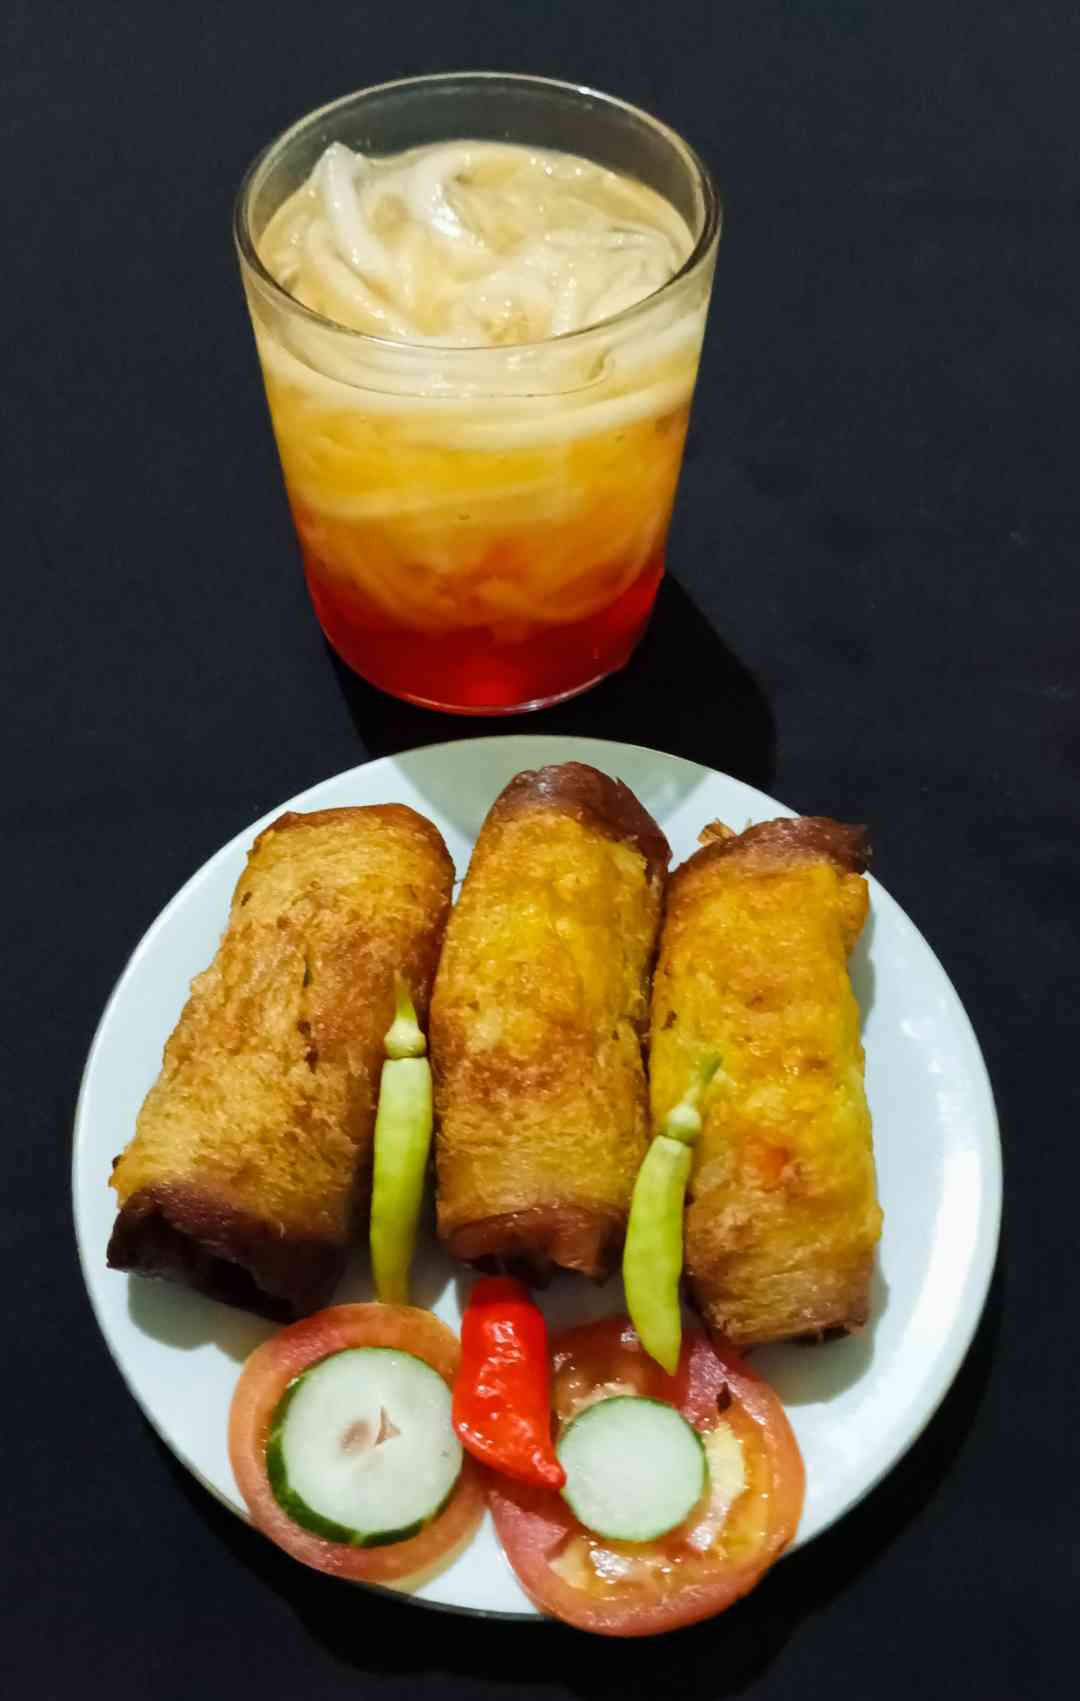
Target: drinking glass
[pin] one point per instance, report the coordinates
(483, 529)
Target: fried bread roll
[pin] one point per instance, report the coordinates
(537, 1020)
(250, 1169)
(752, 976)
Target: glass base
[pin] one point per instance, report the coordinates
(496, 709)
(474, 672)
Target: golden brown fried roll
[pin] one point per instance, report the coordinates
(250, 1168)
(537, 1020)
(783, 1215)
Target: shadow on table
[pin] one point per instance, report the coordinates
(717, 1660)
(683, 690)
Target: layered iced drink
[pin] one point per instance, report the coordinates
(479, 357)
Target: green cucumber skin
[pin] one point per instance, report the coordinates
(301, 1513)
(298, 1510)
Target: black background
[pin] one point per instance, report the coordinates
(872, 614)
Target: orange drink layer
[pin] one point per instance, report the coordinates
(478, 577)
(482, 496)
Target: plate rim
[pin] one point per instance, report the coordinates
(984, 1254)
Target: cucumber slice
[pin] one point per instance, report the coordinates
(361, 1448)
(634, 1468)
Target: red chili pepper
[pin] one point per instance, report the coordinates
(502, 1391)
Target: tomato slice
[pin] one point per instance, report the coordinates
(263, 1381)
(725, 1546)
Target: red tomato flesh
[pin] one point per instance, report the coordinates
(263, 1381)
(695, 1571)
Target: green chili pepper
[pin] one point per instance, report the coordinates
(653, 1255)
(403, 1126)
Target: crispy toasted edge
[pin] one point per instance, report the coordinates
(845, 1310)
(294, 820)
(532, 1243)
(787, 840)
(181, 1232)
(591, 797)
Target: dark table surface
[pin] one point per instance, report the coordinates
(871, 613)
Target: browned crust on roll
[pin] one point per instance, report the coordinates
(179, 1233)
(537, 1025)
(801, 838)
(249, 1171)
(591, 797)
(810, 1303)
(389, 812)
(782, 1215)
(531, 1244)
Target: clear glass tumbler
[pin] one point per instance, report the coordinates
(483, 529)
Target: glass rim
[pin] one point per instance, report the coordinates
(698, 255)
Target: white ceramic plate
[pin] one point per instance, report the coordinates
(856, 1404)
